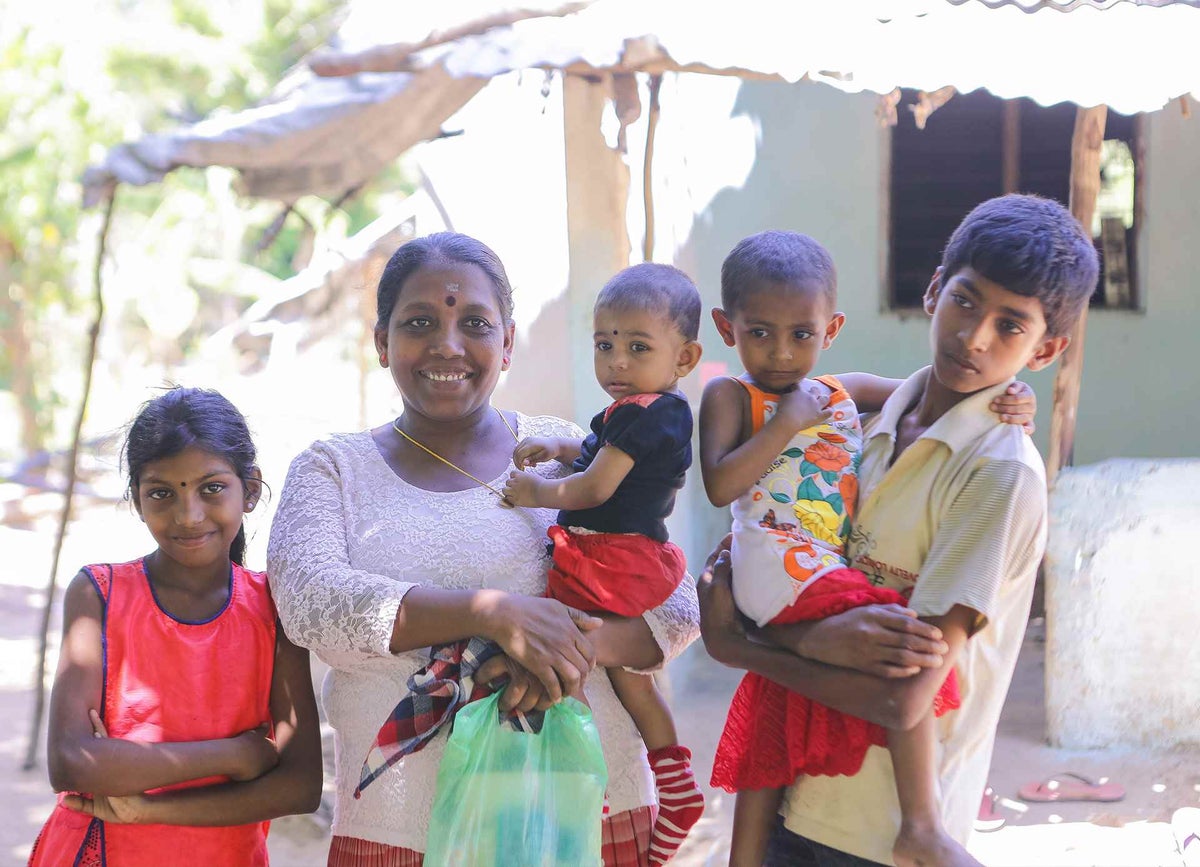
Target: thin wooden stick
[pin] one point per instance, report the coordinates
(64, 518)
(647, 168)
(1010, 154)
(1085, 187)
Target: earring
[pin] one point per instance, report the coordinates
(383, 359)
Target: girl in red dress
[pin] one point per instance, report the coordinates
(182, 719)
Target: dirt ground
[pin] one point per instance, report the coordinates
(1135, 831)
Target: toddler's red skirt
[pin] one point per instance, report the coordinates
(621, 573)
(773, 735)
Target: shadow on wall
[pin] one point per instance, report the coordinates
(539, 381)
(820, 169)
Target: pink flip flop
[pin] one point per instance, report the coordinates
(1071, 787)
(988, 819)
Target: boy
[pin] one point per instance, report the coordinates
(610, 546)
(952, 506)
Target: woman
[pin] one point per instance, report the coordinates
(391, 540)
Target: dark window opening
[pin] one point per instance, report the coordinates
(977, 146)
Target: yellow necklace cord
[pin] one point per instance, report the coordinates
(454, 466)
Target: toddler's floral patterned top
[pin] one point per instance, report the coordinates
(799, 512)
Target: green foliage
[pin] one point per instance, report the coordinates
(73, 85)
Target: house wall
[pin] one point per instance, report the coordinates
(822, 169)
(1116, 594)
(809, 158)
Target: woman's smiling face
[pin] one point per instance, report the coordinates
(446, 341)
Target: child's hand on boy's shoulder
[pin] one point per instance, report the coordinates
(1018, 405)
(535, 450)
(805, 406)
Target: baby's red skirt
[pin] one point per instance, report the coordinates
(773, 735)
(621, 573)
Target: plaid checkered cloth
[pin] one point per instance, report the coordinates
(436, 692)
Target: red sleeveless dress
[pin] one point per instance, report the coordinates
(169, 680)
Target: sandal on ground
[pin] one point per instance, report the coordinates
(989, 819)
(1069, 786)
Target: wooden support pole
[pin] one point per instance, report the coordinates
(1085, 187)
(597, 238)
(1010, 147)
(648, 168)
(64, 518)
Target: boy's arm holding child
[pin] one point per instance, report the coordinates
(731, 462)
(991, 532)
(897, 698)
(584, 490)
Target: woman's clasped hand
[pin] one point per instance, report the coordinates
(547, 654)
(883, 640)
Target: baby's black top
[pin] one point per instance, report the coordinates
(656, 431)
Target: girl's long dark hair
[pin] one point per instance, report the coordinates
(184, 417)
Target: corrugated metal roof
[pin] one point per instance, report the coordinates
(1131, 56)
(1072, 5)
(325, 135)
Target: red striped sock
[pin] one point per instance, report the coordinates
(680, 801)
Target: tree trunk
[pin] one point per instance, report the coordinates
(64, 519)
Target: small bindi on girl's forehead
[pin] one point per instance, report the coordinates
(615, 332)
(451, 300)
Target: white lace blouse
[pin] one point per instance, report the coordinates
(349, 539)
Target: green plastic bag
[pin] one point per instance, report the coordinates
(509, 797)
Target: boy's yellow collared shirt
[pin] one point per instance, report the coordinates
(958, 519)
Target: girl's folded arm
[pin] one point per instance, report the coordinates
(78, 761)
(292, 786)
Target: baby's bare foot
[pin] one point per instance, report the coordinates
(929, 847)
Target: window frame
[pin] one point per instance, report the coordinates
(889, 303)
